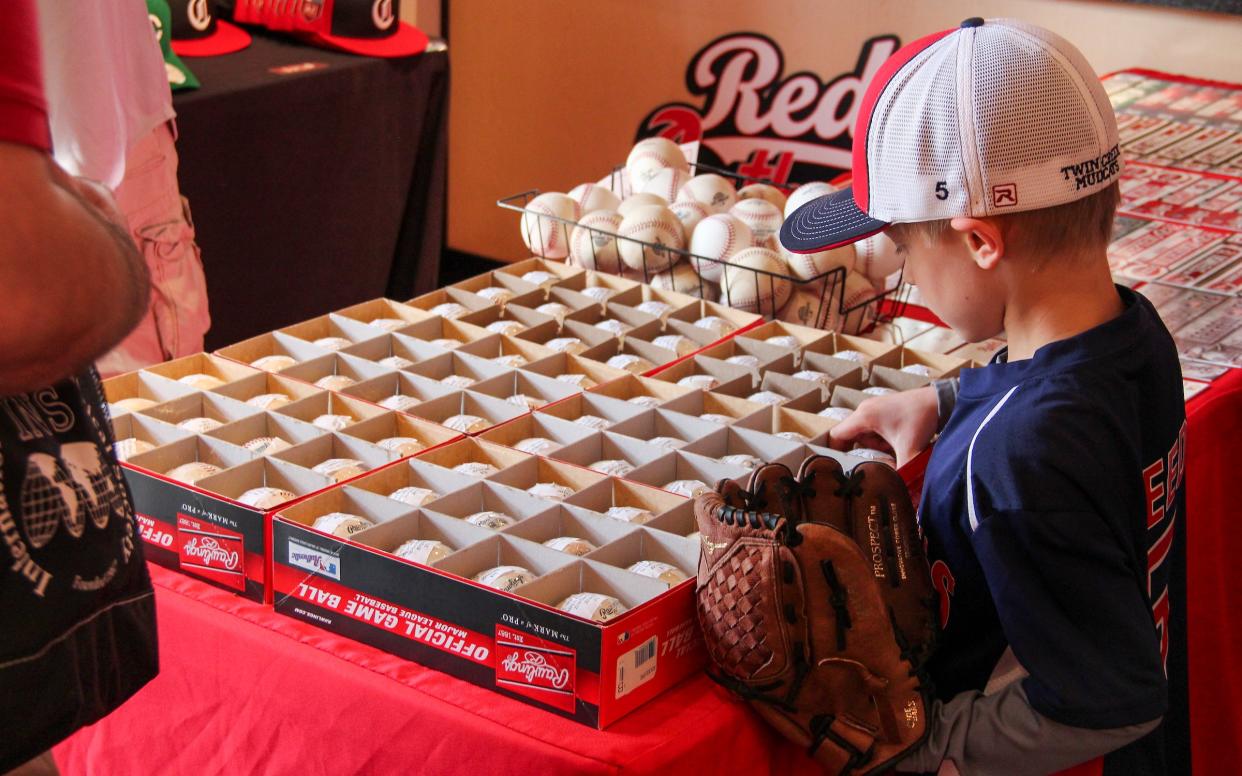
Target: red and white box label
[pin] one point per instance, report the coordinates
(210, 551)
(536, 668)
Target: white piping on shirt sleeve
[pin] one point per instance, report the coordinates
(970, 458)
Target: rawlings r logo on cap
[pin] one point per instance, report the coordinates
(995, 116)
(369, 27)
(198, 30)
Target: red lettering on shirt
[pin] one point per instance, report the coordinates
(1155, 492)
(943, 581)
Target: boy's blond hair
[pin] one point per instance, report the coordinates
(1084, 225)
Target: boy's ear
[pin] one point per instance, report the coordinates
(983, 238)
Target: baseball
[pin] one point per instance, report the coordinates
(504, 578)
(570, 544)
(578, 379)
(630, 514)
(447, 343)
(650, 224)
(342, 524)
(334, 382)
(537, 277)
(133, 404)
(401, 445)
(273, 363)
(556, 310)
(690, 213)
(593, 421)
(550, 491)
(873, 455)
(683, 279)
(399, 402)
(450, 310)
(877, 257)
(493, 294)
(792, 436)
(763, 218)
(666, 183)
(667, 443)
(266, 498)
(414, 495)
(612, 326)
(340, 469)
(593, 242)
(202, 382)
(536, 445)
(475, 469)
(617, 181)
(784, 341)
(613, 467)
(714, 192)
(457, 381)
(649, 156)
(815, 376)
(633, 364)
(510, 360)
(917, 369)
(491, 520)
(635, 201)
(744, 359)
(508, 328)
(835, 413)
(600, 294)
(767, 397)
(269, 401)
(682, 346)
(805, 193)
(646, 402)
(715, 324)
(878, 390)
(526, 401)
(592, 606)
(266, 445)
(544, 228)
(656, 308)
(809, 266)
(745, 285)
(571, 345)
(592, 197)
(717, 237)
(333, 422)
(395, 362)
(425, 551)
(200, 425)
(392, 324)
(763, 191)
(656, 570)
(687, 488)
(744, 460)
(467, 424)
(807, 308)
(700, 382)
(336, 343)
(717, 418)
(858, 290)
(192, 472)
(131, 446)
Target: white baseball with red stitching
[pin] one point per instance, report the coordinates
(763, 191)
(763, 218)
(744, 289)
(649, 156)
(666, 183)
(807, 266)
(877, 257)
(805, 193)
(717, 237)
(593, 242)
(592, 197)
(715, 192)
(650, 224)
(542, 232)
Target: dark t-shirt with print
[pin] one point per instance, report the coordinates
(77, 614)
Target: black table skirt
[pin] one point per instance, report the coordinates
(315, 189)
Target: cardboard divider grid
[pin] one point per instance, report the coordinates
(326, 407)
(222, 369)
(588, 336)
(491, 410)
(417, 474)
(631, 346)
(329, 447)
(635, 322)
(804, 336)
(730, 379)
(686, 466)
(149, 430)
(507, 351)
(536, 425)
(588, 576)
(609, 410)
(504, 550)
(489, 496)
(571, 298)
(429, 301)
(647, 544)
(142, 385)
(316, 371)
(645, 293)
(742, 412)
(398, 390)
(446, 334)
(559, 364)
(526, 390)
(167, 457)
(799, 394)
(331, 326)
(629, 387)
(590, 278)
(656, 424)
(763, 446)
(679, 520)
(505, 282)
(397, 344)
(812, 427)
(389, 535)
(265, 472)
(383, 309)
(271, 344)
(628, 493)
(872, 351)
(697, 309)
(606, 446)
(397, 426)
(512, 312)
(768, 356)
(840, 371)
(266, 384)
(472, 450)
(534, 471)
(252, 428)
(211, 406)
(559, 271)
(570, 521)
(373, 507)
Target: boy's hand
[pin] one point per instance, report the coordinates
(904, 421)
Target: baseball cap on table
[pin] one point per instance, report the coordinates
(993, 117)
(369, 27)
(179, 76)
(198, 30)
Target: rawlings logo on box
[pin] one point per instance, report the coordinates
(210, 551)
(535, 668)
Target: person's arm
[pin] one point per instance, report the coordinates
(905, 422)
(74, 282)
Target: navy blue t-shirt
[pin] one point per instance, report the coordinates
(1053, 509)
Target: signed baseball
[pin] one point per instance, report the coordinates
(131, 446)
(682, 346)
(399, 402)
(395, 362)
(490, 520)
(467, 424)
(546, 222)
(666, 183)
(646, 402)
(133, 404)
(536, 445)
(656, 226)
(388, 324)
(340, 469)
(495, 294)
(570, 544)
(578, 379)
(592, 606)
(655, 569)
(342, 524)
(200, 425)
(717, 237)
(687, 488)
(526, 401)
(755, 281)
(457, 381)
(593, 242)
(269, 401)
(202, 382)
(635, 515)
(192, 472)
(767, 397)
(715, 324)
(266, 498)
(571, 345)
(414, 495)
(273, 363)
(266, 445)
(593, 421)
(701, 382)
(334, 382)
(507, 327)
(714, 192)
(633, 364)
(475, 469)
(401, 445)
(333, 422)
(425, 551)
(613, 467)
(690, 213)
(332, 343)
(550, 491)
(504, 578)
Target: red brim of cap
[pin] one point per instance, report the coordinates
(407, 41)
(227, 39)
(828, 222)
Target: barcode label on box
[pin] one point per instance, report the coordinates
(636, 667)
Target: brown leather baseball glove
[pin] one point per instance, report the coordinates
(816, 603)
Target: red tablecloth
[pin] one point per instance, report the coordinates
(243, 690)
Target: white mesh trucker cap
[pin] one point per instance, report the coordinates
(994, 117)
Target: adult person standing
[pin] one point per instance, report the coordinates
(77, 613)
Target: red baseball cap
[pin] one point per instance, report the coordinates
(197, 31)
(369, 27)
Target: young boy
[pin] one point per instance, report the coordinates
(1053, 503)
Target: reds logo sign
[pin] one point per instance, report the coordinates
(789, 129)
